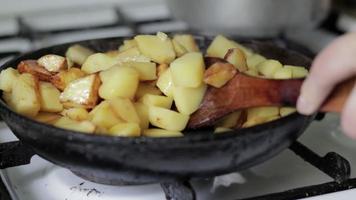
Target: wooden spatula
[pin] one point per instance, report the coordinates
(244, 91)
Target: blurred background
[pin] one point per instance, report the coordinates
(31, 24)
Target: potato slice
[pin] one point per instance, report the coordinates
(78, 54)
(254, 60)
(230, 120)
(32, 67)
(158, 49)
(83, 126)
(284, 111)
(157, 100)
(269, 67)
(7, 78)
(262, 112)
(49, 97)
(47, 118)
(167, 119)
(219, 74)
(219, 130)
(125, 130)
(187, 42)
(119, 82)
(252, 72)
(146, 70)
(145, 88)
(104, 116)
(237, 58)
(82, 92)
(188, 100)
(98, 62)
(127, 44)
(283, 73)
(125, 109)
(131, 55)
(161, 133)
(297, 71)
(165, 83)
(178, 48)
(62, 79)
(188, 70)
(53, 63)
(142, 112)
(25, 95)
(77, 114)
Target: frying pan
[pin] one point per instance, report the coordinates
(121, 160)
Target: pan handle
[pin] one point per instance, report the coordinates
(15, 154)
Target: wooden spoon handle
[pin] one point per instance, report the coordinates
(336, 101)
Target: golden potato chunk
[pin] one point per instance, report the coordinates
(104, 116)
(69, 124)
(49, 96)
(165, 83)
(188, 70)
(158, 49)
(78, 54)
(188, 100)
(32, 67)
(128, 44)
(178, 48)
(283, 73)
(144, 88)
(254, 60)
(77, 114)
(142, 112)
(146, 70)
(7, 78)
(82, 92)
(53, 63)
(284, 111)
(119, 81)
(161, 68)
(261, 115)
(125, 130)
(125, 109)
(131, 55)
(62, 79)
(25, 95)
(269, 67)
(297, 72)
(220, 46)
(161, 133)
(157, 100)
(237, 58)
(219, 74)
(230, 121)
(47, 118)
(187, 42)
(98, 62)
(167, 119)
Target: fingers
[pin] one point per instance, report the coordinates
(348, 118)
(333, 65)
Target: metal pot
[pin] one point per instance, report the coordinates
(249, 17)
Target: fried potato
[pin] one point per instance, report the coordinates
(53, 63)
(161, 133)
(125, 130)
(62, 79)
(49, 97)
(7, 78)
(78, 54)
(32, 67)
(77, 114)
(167, 119)
(188, 100)
(219, 74)
(81, 126)
(82, 92)
(47, 118)
(237, 58)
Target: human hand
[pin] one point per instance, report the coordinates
(333, 65)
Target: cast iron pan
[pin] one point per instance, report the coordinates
(119, 160)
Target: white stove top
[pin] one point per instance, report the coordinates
(42, 180)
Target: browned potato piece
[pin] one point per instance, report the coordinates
(237, 57)
(47, 118)
(219, 74)
(63, 78)
(49, 96)
(32, 67)
(77, 114)
(82, 92)
(53, 63)
(161, 68)
(25, 95)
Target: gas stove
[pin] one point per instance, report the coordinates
(300, 172)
